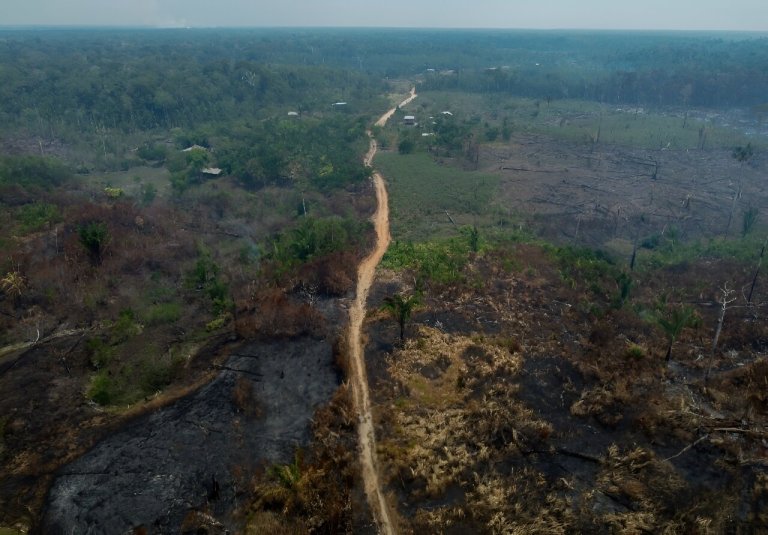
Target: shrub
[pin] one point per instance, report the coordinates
(151, 152)
(125, 327)
(406, 146)
(35, 216)
(100, 352)
(635, 352)
(148, 194)
(94, 237)
(101, 390)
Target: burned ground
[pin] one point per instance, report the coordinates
(529, 403)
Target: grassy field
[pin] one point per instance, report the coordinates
(421, 191)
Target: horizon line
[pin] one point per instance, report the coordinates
(351, 27)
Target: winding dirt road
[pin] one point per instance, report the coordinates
(365, 275)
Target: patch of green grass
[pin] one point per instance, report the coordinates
(162, 313)
(129, 383)
(421, 191)
(136, 182)
(672, 253)
(440, 260)
(587, 266)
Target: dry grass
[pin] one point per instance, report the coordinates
(459, 415)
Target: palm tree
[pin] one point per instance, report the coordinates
(401, 308)
(678, 319)
(13, 285)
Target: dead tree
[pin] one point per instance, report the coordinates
(736, 196)
(742, 155)
(725, 300)
(757, 272)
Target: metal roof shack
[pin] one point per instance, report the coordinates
(409, 120)
(194, 147)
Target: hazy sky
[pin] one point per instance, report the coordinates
(588, 14)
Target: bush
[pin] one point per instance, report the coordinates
(101, 390)
(635, 352)
(151, 152)
(94, 237)
(32, 171)
(33, 217)
(406, 146)
(100, 352)
(148, 194)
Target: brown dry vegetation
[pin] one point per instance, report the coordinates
(527, 401)
(139, 327)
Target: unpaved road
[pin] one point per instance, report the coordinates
(365, 275)
(384, 118)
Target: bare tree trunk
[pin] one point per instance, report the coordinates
(736, 196)
(634, 255)
(724, 302)
(757, 272)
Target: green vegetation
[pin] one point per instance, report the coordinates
(94, 237)
(195, 254)
(315, 237)
(162, 313)
(401, 308)
(132, 382)
(38, 215)
(748, 221)
(421, 191)
(670, 252)
(206, 277)
(276, 152)
(32, 172)
(439, 260)
(586, 266)
(673, 320)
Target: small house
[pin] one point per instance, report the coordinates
(211, 171)
(293, 114)
(194, 147)
(409, 120)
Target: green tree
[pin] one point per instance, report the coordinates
(674, 321)
(94, 237)
(473, 237)
(406, 146)
(401, 308)
(148, 194)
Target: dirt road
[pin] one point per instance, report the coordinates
(384, 118)
(365, 275)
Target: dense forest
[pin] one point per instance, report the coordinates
(567, 333)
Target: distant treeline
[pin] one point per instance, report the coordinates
(656, 71)
(143, 79)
